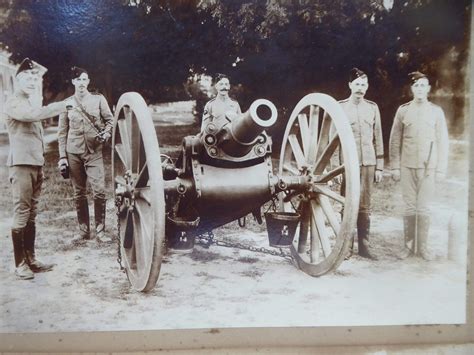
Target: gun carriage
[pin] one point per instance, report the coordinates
(225, 172)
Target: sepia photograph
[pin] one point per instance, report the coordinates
(204, 164)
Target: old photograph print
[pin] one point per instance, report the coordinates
(224, 164)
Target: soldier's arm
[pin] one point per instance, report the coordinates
(63, 128)
(206, 114)
(106, 114)
(442, 142)
(396, 141)
(378, 140)
(17, 110)
(335, 159)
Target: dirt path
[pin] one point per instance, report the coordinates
(222, 287)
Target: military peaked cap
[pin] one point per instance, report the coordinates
(414, 76)
(356, 73)
(26, 64)
(76, 72)
(219, 77)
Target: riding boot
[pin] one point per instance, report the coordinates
(423, 227)
(409, 227)
(22, 270)
(82, 209)
(99, 216)
(29, 244)
(363, 230)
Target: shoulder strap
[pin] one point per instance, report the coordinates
(89, 118)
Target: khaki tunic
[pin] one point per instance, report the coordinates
(75, 134)
(78, 143)
(416, 128)
(218, 107)
(364, 119)
(25, 131)
(25, 158)
(367, 129)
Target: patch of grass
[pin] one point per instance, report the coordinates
(205, 256)
(248, 260)
(253, 274)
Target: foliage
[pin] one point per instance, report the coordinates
(286, 48)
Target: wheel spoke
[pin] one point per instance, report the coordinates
(142, 177)
(135, 144)
(329, 212)
(304, 226)
(144, 216)
(304, 132)
(325, 156)
(128, 236)
(291, 169)
(321, 226)
(140, 247)
(120, 180)
(144, 193)
(125, 137)
(123, 155)
(297, 152)
(331, 174)
(315, 245)
(313, 128)
(329, 193)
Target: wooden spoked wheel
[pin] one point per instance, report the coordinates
(139, 190)
(318, 143)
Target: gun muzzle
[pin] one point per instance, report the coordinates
(261, 115)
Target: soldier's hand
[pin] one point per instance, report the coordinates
(396, 175)
(378, 176)
(105, 137)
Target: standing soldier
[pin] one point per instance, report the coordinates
(25, 161)
(82, 131)
(222, 104)
(364, 117)
(418, 157)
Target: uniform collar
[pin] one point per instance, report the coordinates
(355, 101)
(83, 98)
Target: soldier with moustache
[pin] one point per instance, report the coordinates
(83, 130)
(222, 105)
(364, 118)
(418, 158)
(24, 112)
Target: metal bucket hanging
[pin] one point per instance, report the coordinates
(281, 228)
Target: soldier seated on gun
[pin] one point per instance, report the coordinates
(24, 112)
(222, 105)
(82, 131)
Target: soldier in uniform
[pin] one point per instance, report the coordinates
(418, 157)
(24, 112)
(364, 117)
(82, 131)
(222, 104)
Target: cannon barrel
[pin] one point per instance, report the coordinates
(238, 137)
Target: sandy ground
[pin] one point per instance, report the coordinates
(226, 287)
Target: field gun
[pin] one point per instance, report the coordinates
(224, 173)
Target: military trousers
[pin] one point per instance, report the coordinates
(367, 176)
(26, 181)
(418, 187)
(87, 167)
